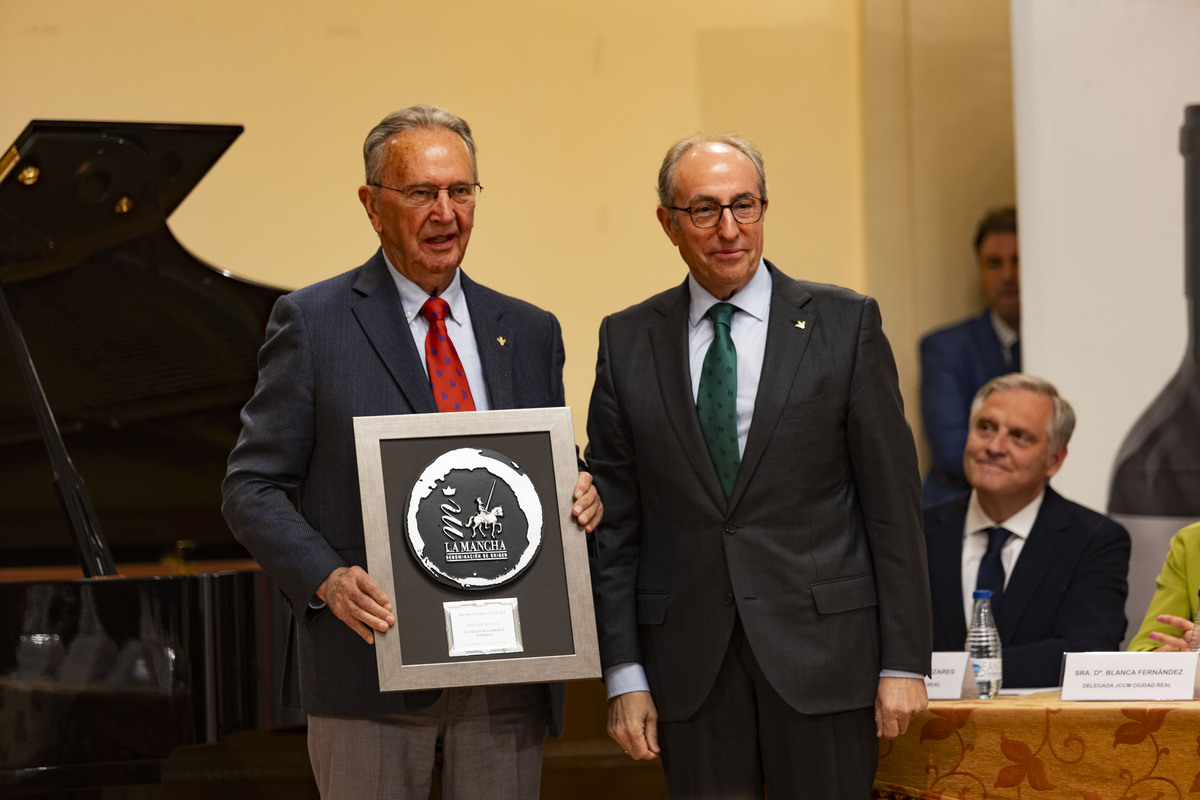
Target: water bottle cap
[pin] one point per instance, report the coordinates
(978, 593)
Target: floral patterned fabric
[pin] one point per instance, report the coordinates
(1037, 746)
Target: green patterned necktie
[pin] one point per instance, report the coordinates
(717, 399)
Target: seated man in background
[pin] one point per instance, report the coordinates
(1056, 570)
(1168, 622)
(957, 360)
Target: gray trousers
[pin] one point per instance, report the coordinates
(490, 739)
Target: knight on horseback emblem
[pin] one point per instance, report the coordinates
(474, 550)
(487, 520)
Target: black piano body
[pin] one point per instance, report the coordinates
(144, 355)
(102, 679)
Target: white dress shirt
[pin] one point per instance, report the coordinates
(1007, 335)
(975, 539)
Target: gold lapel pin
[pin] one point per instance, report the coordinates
(800, 324)
(501, 340)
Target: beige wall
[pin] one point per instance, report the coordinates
(573, 105)
(938, 152)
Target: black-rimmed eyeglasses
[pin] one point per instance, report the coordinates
(707, 213)
(423, 195)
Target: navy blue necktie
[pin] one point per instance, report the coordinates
(991, 568)
(716, 401)
(1015, 356)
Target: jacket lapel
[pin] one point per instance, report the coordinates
(490, 331)
(669, 346)
(1039, 553)
(378, 313)
(944, 538)
(790, 327)
(987, 347)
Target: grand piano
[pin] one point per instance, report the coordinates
(131, 622)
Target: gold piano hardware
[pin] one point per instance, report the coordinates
(8, 161)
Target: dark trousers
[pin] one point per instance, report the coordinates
(746, 741)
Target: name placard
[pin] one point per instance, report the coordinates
(1129, 676)
(476, 627)
(952, 678)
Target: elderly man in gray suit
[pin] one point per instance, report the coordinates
(373, 341)
(760, 576)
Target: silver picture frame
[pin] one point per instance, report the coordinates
(551, 599)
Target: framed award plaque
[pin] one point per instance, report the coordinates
(469, 531)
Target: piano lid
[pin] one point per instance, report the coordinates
(145, 352)
(69, 189)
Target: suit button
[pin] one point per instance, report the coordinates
(730, 528)
(727, 599)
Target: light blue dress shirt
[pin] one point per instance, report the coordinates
(748, 328)
(458, 325)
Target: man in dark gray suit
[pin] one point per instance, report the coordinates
(760, 583)
(361, 344)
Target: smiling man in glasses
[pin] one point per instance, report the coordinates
(406, 332)
(761, 596)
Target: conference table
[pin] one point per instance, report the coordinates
(1037, 745)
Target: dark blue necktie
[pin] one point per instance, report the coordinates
(716, 401)
(1014, 360)
(991, 568)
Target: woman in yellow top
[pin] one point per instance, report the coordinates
(1168, 622)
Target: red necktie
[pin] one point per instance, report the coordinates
(450, 389)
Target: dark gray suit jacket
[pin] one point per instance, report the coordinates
(336, 350)
(820, 549)
(1065, 594)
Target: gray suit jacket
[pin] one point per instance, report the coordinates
(819, 551)
(336, 350)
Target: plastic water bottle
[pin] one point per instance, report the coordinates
(983, 645)
(1195, 641)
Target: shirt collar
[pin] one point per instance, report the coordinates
(754, 298)
(1019, 524)
(412, 296)
(1006, 333)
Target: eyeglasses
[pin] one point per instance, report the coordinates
(423, 195)
(707, 214)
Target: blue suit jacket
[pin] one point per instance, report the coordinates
(1065, 594)
(336, 350)
(955, 362)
